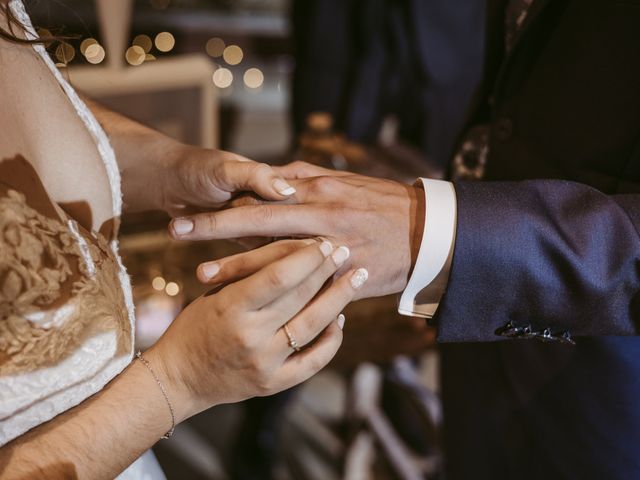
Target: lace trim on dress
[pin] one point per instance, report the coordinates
(42, 262)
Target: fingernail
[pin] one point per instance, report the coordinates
(182, 226)
(359, 278)
(210, 270)
(341, 320)
(326, 248)
(283, 187)
(340, 255)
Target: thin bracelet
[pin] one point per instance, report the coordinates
(164, 394)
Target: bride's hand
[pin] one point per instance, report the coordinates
(199, 179)
(232, 345)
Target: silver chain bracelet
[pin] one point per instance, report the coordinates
(164, 394)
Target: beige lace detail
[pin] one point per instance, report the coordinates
(56, 289)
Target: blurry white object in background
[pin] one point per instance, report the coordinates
(115, 24)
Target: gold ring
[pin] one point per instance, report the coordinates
(292, 341)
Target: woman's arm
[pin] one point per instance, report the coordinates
(100, 437)
(224, 347)
(160, 173)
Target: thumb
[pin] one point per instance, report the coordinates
(246, 175)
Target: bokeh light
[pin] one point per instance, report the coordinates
(65, 53)
(253, 78)
(95, 54)
(222, 78)
(172, 289)
(143, 41)
(233, 55)
(215, 47)
(135, 55)
(158, 283)
(86, 43)
(165, 42)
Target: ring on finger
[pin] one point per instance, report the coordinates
(292, 341)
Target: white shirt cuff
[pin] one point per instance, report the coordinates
(428, 281)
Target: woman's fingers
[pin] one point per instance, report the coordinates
(244, 264)
(300, 169)
(276, 279)
(302, 366)
(241, 174)
(287, 306)
(311, 321)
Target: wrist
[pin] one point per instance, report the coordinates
(417, 217)
(181, 399)
(173, 156)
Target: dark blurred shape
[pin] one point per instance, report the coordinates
(361, 61)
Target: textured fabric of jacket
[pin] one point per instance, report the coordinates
(550, 244)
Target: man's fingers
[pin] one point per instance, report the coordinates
(251, 221)
(278, 278)
(300, 169)
(240, 174)
(242, 265)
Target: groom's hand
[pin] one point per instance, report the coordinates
(380, 221)
(200, 179)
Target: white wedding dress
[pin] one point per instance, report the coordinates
(66, 310)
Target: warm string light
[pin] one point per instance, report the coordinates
(165, 42)
(222, 78)
(172, 289)
(215, 47)
(94, 53)
(253, 78)
(135, 55)
(161, 285)
(233, 55)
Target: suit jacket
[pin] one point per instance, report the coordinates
(550, 245)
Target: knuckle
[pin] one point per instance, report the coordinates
(306, 290)
(261, 170)
(264, 381)
(221, 171)
(205, 223)
(300, 165)
(250, 344)
(262, 215)
(321, 186)
(275, 279)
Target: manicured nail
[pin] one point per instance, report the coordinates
(359, 278)
(182, 226)
(341, 320)
(210, 270)
(283, 187)
(326, 248)
(340, 255)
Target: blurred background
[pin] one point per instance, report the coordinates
(347, 84)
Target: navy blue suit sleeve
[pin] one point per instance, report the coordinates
(547, 254)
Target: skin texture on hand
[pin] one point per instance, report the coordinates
(160, 173)
(380, 221)
(231, 345)
(199, 179)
